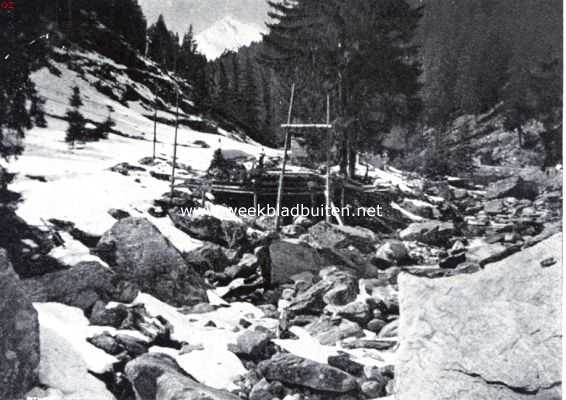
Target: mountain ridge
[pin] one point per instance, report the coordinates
(203, 14)
(228, 33)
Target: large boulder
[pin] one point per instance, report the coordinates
(252, 344)
(79, 286)
(429, 232)
(350, 259)
(336, 288)
(137, 251)
(514, 186)
(329, 331)
(209, 256)
(62, 368)
(209, 228)
(19, 335)
(393, 252)
(493, 335)
(294, 370)
(419, 207)
(326, 235)
(289, 258)
(156, 376)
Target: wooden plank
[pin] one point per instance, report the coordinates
(306, 126)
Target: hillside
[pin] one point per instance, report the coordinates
(79, 179)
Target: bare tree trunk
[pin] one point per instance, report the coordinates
(70, 21)
(520, 134)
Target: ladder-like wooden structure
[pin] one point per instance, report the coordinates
(288, 127)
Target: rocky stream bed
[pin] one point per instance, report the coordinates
(461, 302)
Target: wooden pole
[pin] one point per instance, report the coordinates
(154, 128)
(175, 144)
(328, 197)
(284, 163)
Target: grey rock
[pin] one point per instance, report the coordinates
(390, 330)
(262, 391)
(118, 214)
(19, 335)
(514, 186)
(377, 344)
(357, 311)
(106, 342)
(253, 344)
(325, 235)
(133, 345)
(211, 229)
(336, 288)
(329, 331)
(350, 259)
(157, 376)
(494, 206)
(114, 316)
(138, 252)
(80, 286)
(497, 333)
(373, 389)
(345, 363)
(420, 208)
(210, 256)
(387, 298)
(295, 370)
(288, 258)
(393, 251)
(429, 232)
(375, 325)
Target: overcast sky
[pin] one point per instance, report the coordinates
(179, 14)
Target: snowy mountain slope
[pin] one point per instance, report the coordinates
(202, 14)
(227, 34)
(79, 186)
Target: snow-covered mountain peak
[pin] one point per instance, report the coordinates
(227, 33)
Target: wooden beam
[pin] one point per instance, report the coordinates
(306, 126)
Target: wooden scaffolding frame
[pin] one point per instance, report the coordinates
(288, 127)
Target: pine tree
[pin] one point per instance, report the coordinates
(37, 111)
(249, 95)
(223, 96)
(106, 126)
(359, 52)
(163, 44)
(267, 104)
(76, 129)
(22, 49)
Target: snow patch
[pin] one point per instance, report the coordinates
(70, 325)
